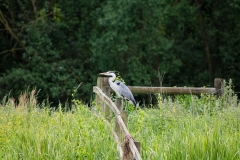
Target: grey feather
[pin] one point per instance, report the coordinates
(120, 88)
(124, 92)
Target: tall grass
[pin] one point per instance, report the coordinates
(186, 127)
(28, 132)
(189, 127)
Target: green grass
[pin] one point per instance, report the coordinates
(189, 127)
(186, 127)
(187, 136)
(33, 133)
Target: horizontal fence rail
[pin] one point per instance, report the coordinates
(171, 90)
(217, 89)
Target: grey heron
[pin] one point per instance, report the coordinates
(120, 88)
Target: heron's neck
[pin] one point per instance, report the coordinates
(111, 79)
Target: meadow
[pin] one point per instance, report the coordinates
(28, 132)
(190, 127)
(183, 127)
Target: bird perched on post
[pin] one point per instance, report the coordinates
(120, 88)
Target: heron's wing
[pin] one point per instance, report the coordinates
(124, 92)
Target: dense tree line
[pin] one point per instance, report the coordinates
(54, 45)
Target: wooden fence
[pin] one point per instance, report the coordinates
(131, 148)
(217, 89)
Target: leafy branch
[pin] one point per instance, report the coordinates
(8, 28)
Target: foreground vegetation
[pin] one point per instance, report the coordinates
(183, 127)
(191, 127)
(28, 132)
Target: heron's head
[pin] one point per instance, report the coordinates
(108, 74)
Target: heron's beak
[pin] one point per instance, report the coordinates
(104, 74)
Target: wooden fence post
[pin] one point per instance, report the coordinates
(119, 104)
(106, 108)
(99, 84)
(117, 126)
(102, 83)
(124, 117)
(218, 84)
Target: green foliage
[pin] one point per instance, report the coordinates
(196, 104)
(130, 40)
(56, 56)
(50, 134)
(55, 45)
(189, 127)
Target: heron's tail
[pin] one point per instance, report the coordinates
(134, 102)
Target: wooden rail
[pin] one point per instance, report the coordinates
(171, 90)
(217, 89)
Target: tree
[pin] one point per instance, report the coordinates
(56, 54)
(54, 45)
(132, 40)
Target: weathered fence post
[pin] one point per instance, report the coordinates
(125, 120)
(106, 108)
(99, 85)
(117, 126)
(124, 117)
(119, 104)
(218, 84)
(102, 83)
